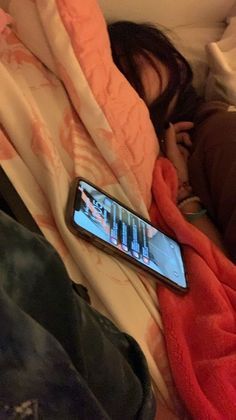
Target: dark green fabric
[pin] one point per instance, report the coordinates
(71, 359)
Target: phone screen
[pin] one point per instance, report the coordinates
(104, 218)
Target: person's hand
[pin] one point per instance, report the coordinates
(177, 144)
(183, 138)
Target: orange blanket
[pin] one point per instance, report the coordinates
(200, 327)
(66, 111)
(107, 137)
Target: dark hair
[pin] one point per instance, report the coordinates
(130, 40)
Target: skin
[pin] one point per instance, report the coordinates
(155, 84)
(177, 141)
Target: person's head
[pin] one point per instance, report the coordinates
(157, 71)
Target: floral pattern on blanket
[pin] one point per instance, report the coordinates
(55, 130)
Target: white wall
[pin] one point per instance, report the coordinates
(167, 12)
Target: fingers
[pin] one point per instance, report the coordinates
(173, 138)
(184, 152)
(184, 138)
(181, 135)
(170, 142)
(183, 126)
(175, 154)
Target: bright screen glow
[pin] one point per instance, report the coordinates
(106, 219)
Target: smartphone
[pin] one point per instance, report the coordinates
(108, 224)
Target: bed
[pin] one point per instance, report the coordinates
(66, 111)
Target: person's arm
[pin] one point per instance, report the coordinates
(192, 209)
(203, 222)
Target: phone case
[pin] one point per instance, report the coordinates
(106, 247)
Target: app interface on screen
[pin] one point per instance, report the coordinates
(107, 220)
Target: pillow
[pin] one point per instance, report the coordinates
(170, 13)
(193, 50)
(192, 25)
(221, 84)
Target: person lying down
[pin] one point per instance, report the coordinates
(163, 79)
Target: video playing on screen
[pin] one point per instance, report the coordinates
(106, 219)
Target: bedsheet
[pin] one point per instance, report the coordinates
(86, 120)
